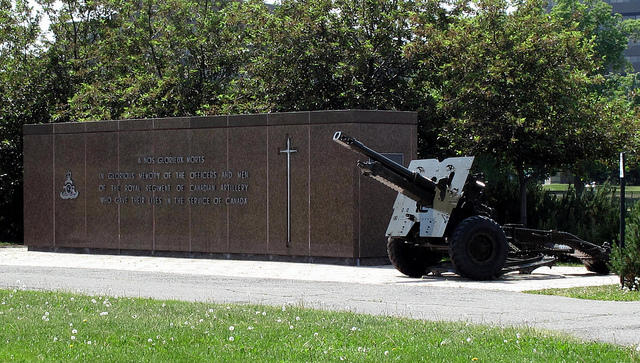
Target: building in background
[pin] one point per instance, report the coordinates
(629, 9)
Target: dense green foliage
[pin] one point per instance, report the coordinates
(27, 88)
(532, 89)
(59, 327)
(593, 215)
(625, 262)
(518, 85)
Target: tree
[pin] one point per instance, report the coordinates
(512, 83)
(609, 32)
(143, 58)
(24, 98)
(329, 54)
(610, 35)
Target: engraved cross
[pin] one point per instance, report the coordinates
(288, 151)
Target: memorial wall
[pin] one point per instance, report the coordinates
(268, 186)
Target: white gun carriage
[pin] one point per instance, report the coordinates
(440, 224)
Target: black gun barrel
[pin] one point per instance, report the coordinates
(409, 182)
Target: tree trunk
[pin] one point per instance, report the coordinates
(523, 180)
(578, 185)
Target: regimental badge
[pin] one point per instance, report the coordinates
(69, 190)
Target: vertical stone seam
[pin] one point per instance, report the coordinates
(53, 185)
(309, 182)
(86, 239)
(267, 189)
(189, 134)
(227, 193)
(153, 193)
(359, 176)
(118, 167)
(359, 255)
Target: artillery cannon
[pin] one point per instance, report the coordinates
(439, 223)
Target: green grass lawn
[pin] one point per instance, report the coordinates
(606, 292)
(61, 327)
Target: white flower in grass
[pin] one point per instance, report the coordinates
(104, 313)
(231, 328)
(353, 328)
(73, 337)
(74, 331)
(231, 339)
(150, 340)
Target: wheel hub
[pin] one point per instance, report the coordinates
(481, 249)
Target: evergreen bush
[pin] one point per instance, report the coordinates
(593, 215)
(625, 262)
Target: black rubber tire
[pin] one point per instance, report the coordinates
(478, 248)
(598, 266)
(411, 260)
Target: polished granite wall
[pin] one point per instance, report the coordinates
(213, 186)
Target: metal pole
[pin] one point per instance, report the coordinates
(623, 208)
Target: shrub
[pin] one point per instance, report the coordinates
(625, 262)
(593, 215)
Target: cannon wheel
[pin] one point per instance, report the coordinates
(594, 265)
(411, 260)
(478, 248)
(599, 267)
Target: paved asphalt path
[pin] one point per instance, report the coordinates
(371, 290)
